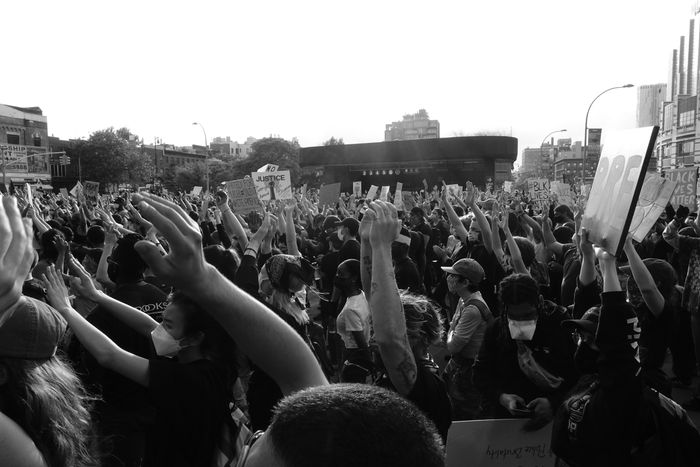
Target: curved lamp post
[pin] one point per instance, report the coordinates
(545, 139)
(585, 131)
(206, 155)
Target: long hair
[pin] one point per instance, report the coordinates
(423, 320)
(281, 300)
(49, 402)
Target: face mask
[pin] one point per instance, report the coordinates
(165, 344)
(522, 330)
(340, 235)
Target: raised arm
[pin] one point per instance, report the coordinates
(290, 232)
(515, 256)
(549, 241)
(650, 292)
(366, 255)
(385, 305)
(260, 334)
(455, 222)
(231, 223)
(470, 193)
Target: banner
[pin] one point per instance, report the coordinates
(329, 194)
(616, 186)
(498, 443)
(398, 197)
(372, 193)
(384, 194)
(273, 185)
(538, 189)
(92, 190)
(686, 188)
(242, 196)
(653, 199)
(196, 191)
(357, 189)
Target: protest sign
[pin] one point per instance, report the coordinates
(563, 192)
(538, 189)
(656, 191)
(372, 193)
(357, 189)
(242, 196)
(686, 188)
(64, 192)
(273, 185)
(409, 202)
(329, 194)
(498, 443)
(268, 168)
(91, 190)
(77, 189)
(616, 186)
(384, 194)
(196, 191)
(453, 190)
(507, 186)
(398, 197)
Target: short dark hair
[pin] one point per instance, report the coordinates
(527, 250)
(416, 211)
(346, 425)
(519, 288)
(96, 235)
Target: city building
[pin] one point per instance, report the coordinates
(413, 126)
(570, 162)
(220, 145)
(650, 99)
(452, 160)
(24, 146)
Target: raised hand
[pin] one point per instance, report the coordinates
(386, 226)
(56, 290)
(366, 225)
(16, 251)
(184, 264)
(469, 194)
(82, 284)
(221, 199)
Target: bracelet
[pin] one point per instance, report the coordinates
(251, 249)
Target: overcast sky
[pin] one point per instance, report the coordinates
(313, 70)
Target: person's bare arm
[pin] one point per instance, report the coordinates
(290, 231)
(366, 256)
(386, 308)
(470, 193)
(460, 230)
(231, 224)
(650, 292)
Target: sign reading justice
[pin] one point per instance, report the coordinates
(616, 186)
(273, 185)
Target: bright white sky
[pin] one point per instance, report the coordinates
(316, 69)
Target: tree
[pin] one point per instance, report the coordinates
(276, 151)
(112, 157)
(334, 142)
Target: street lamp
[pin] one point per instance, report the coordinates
(585, 131)
(545, 139)
(206, 155)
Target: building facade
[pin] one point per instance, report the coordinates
(24, 146)
(650, 99)
(224, 145)
(413, 126)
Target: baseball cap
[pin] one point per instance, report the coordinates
(351, 223)
(588, 322)
(468, 268)
(662, 272)
(330, 222)
(30, 330)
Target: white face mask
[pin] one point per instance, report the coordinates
(522, 330)
(166, 345)
(340, 234)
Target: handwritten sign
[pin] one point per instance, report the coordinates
(196, 191)
(64, 192)
(498, 443)
(686, 188)
(242, 196)
(538, 189)
(384, 194)
(398, 197)
(616, 186)
(563, 192)
(357, 189)
(77, 189)
(329, 194)
(273, 185)
(268, 168)
(508, 186)
(656, 191)
(92, 190)
(372, 193)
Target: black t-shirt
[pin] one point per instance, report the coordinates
(407, 276)
(191, 401)
(350, 250)
(329, 266)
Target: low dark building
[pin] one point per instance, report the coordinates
(453, 160)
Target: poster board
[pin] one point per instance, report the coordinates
(273, 185)
(242, 196)
(655, 194)
(77, 189)
(398, 197)
(372, 193)
(498, 443)
(686, 188)
(91, 190)
(268, 168)
(384, 194)
(357, 189)
(563, 192)
(196, 191)
(64, 192)
(329, 194)
(538, 189)
(508, 186)
(453, 190)
(616, 186)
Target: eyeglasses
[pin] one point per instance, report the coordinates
(246, 449)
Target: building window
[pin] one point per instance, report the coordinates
(12, 138)
(36, 138)
(686, 118)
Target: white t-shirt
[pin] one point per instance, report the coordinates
(354, 317)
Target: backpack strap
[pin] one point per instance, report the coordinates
(484, 310)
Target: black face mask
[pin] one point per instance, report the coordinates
(586, 359)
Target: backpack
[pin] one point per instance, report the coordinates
(483, 308)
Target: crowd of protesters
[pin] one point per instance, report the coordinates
(133, 326)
